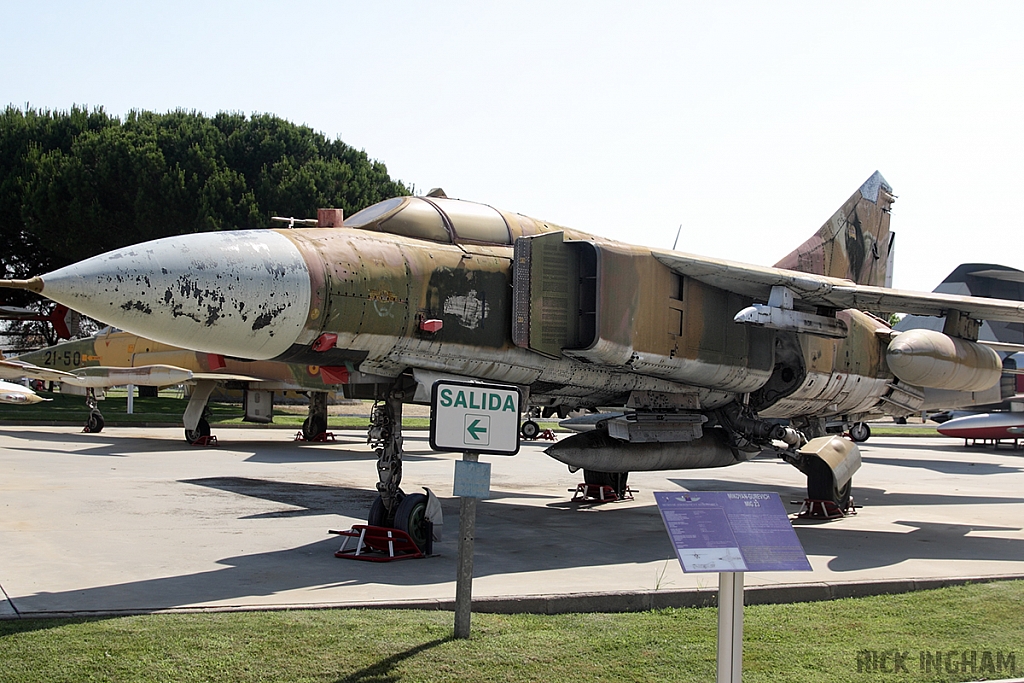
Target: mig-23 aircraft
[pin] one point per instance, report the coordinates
(710, 361)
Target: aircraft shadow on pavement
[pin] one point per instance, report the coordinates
(856, 549)
(333, 452)
(946, 466)
(511, 539)
(95, 444)
(792, 497)
(952, 446)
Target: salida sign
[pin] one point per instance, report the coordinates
(481, 418)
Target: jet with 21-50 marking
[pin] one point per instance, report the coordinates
(710, 361)
(113, 357)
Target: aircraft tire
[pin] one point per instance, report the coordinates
(378, 512)
(95, 424)
(313, 426)
(409, 517)
(378, 515)
(617, 480)
(821, 484)
(529, 430)
(202, 429)
(860, 432)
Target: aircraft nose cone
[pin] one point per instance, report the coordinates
(242, 293)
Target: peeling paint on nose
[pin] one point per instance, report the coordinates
(240, 293)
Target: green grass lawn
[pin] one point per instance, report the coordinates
(804, 642)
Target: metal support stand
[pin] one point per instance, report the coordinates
(464, 580)
(730, 627)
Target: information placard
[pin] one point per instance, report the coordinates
(731, 531)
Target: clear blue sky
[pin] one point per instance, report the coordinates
(748, 123)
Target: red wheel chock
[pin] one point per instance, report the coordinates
(321, 437)
(824, 509)
(600, 494)
(209, 440)
(377, 544)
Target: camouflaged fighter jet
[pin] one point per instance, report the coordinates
(115, 358)
(710, 361)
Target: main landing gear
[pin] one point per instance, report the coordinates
(392, 507)
(197, 427)
(94, 423)
(315, 424)
(822, 486)
(615, 480)
(860, 432)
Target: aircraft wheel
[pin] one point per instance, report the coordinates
(409, 517)
(202, 429)
(313, 426)
(617, 480)
(821, 484)
(95, 423)
(529, 430)
(377, 513)
(860, 432)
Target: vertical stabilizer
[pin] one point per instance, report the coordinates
(855, 243)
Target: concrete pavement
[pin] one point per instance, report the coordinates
(135, 520)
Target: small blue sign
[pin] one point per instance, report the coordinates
(731, 531)
(472, 479)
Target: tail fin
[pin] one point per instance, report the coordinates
(61, 319)
(855, 243)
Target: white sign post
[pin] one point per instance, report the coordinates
(473, 418)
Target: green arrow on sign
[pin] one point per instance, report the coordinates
(474, 430)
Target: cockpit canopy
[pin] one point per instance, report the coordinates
(436, 219)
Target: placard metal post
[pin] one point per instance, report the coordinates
(730, 627)
(464, 580)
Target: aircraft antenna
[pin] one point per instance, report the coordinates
(292, 222)
(678, 233)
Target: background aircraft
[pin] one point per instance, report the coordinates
(996, 413)
(115, 358)
(705, 355)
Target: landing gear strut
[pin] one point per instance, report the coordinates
(316, 423)
(94, 424)
(385, 437)
(197, 425)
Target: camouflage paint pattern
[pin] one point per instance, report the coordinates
(855, 243)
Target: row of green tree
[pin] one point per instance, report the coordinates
(78, 183)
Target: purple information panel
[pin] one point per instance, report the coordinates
(731, 531)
